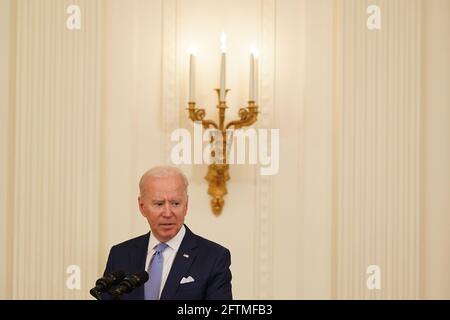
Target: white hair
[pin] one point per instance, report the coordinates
(163, 172)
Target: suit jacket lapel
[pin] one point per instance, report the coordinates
(138, 257)
(181, 264)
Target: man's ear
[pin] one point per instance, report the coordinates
(141, 204)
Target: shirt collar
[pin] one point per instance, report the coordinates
(173, 243)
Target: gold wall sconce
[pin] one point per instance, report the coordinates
(218, 172)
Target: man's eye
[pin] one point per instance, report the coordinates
(176, 203)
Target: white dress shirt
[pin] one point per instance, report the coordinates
(168, 254)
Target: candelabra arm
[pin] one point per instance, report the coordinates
(197, 114)
(248, 116)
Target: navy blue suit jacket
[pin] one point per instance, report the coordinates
(206, 262)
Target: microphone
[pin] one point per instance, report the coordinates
(130, 283)
(105, 283)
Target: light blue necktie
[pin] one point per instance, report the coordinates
(155, 268)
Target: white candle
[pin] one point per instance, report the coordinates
(223, 77)
(252, 78)
(223, 63)
(253, 75)
(256, 76)
(192, 75)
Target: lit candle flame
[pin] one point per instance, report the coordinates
(193, 50)
(255, 52)
(223, 40)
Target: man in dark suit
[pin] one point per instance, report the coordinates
(181, 264)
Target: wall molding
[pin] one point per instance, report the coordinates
(170, 109)
(263, 275)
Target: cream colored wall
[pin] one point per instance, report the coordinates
(436, 151)
(362, 114)
(5, 38)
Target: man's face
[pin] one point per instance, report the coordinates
(164, 203)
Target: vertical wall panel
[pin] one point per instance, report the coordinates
(170, 108)
(57, 160)
(436, 152)
(316, 140)
(7, 74)
(378, 178)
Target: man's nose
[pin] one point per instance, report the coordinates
(167, 209)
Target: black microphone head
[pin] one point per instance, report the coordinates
(119, 274)
(137, 279)
(109, 280)
(116, 276)
(105, 283)
(130, 283)
(142, 277)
